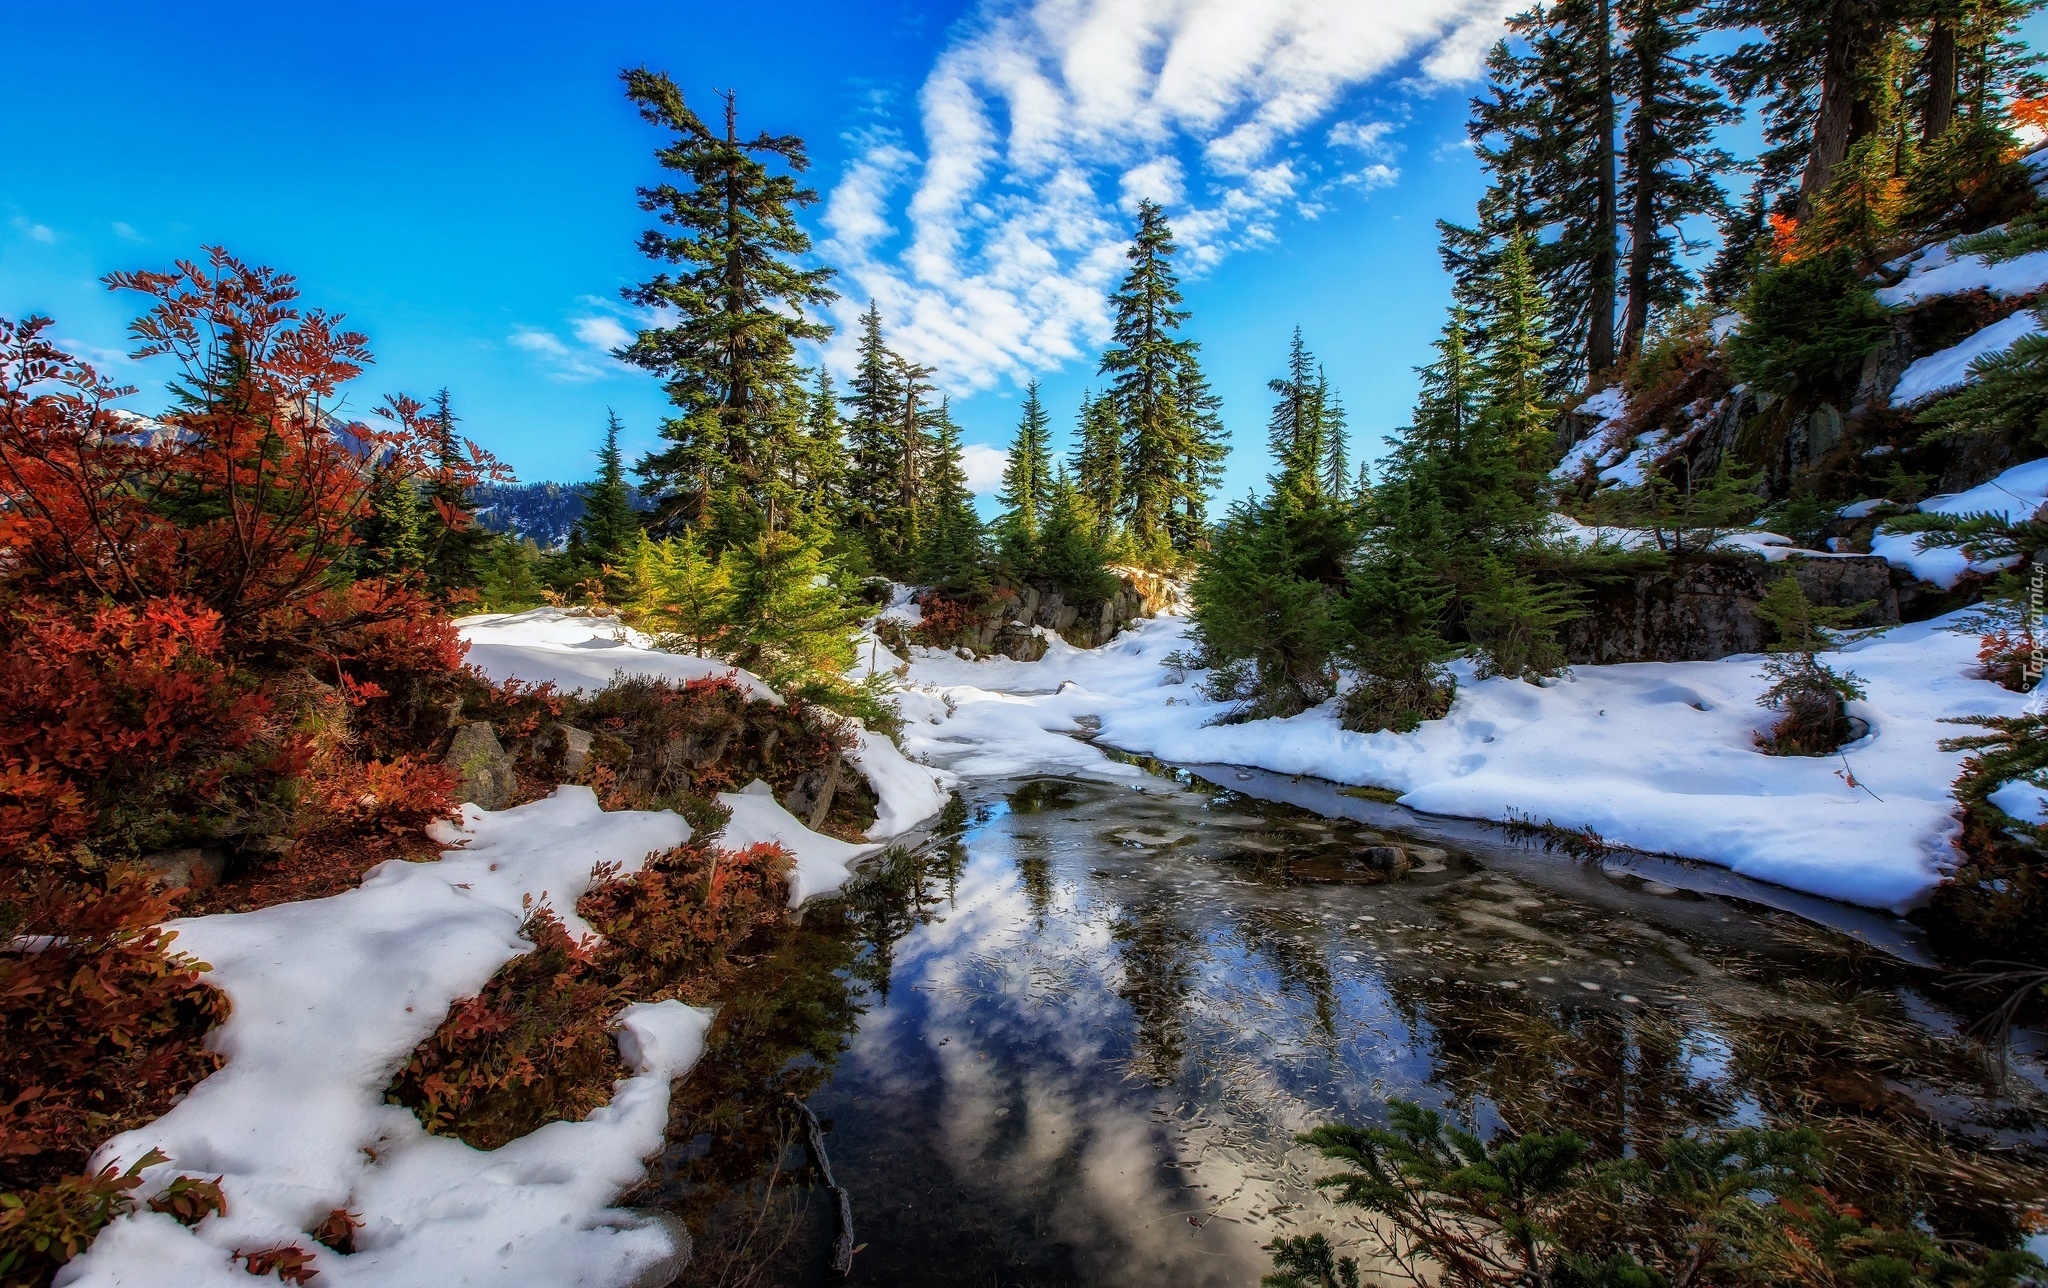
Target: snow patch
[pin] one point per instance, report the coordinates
(1937, 271)
(2015, 494)
(1950, 368)
(330, 997)
(580, 653)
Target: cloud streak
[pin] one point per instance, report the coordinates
(991, 242)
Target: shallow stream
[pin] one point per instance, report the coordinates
(1070, 1039)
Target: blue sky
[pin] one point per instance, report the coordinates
(459, 183)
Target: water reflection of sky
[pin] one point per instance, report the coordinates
(1089, 1066)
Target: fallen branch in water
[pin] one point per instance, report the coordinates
(842, 1246)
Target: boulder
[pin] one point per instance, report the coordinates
(810, 797)
(482, 767)
(1699, 610)
(188, 869)
(565, 749)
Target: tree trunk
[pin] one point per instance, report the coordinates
(1941, 82)
(1600, 323)
(1842, 117)
(1642, 233)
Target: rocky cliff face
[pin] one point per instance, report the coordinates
(1700, 610)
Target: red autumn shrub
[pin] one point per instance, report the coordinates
(127, 725)
(42, 1229)
(112, 1018)
(537, 1045)
(2006, 657)
(943, 620)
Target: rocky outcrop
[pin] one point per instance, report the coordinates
(1015, 623)
(1700, 610)
(187, 869)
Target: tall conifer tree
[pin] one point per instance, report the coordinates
(871, 403)
(1098, 462)
(609, 530)
(1148, 365)
(1026, 481)
(741, 297)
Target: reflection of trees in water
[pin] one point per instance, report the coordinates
(1157, 954)
(1848, 1062)
(1033, 856)
(730, 1170)
(1301, 962)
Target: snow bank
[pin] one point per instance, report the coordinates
(587, 653)
(1950, 368)
(1655, 756)
(822, 863)
(579, 653)
(2015, 494)
(330, 997)
(1936, 272)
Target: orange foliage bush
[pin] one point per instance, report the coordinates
(943, 620)
(2005, 657)
(537, 1045)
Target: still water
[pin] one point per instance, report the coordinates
(1070, 1038)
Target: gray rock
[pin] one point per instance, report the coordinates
(810, 797)
(482, 767)
(566, 748)
(187, 869)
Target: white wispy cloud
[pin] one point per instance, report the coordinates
(984, 466)
(990, 240)
(35, 231)
(586, 353)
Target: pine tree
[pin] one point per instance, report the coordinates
(1208, 445)
(1098, 462)
(789, 623)
(609, 529)
(1026, 481)
(1148, 365)
(820, 472)
(871, 464)
(1672, 163)
(1071, 552)
(1514, 371)
(452, 543)
(740, 299)
(950, 559)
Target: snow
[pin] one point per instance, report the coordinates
(1936, 272)
(2023, 800)
(329, 998)
(2015, 494)
(1950, 368)
(1658, 757)
(1608, 405)
(579, 652)
(1862, 509)
(822, 863)
(583, 653)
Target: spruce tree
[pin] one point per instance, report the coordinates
(1672, 163)
(1295, 430)
(452, 542)
(1072, 554)
(1336, 440)
(950, 558)
(788, 621)
(1148, 365)
(1026, 481)
(1514, 371)
(390, 535)
(900, 529)
(1546, 134)
(609, 529)
(740, 297)
(1098, 462)
(870, 463)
